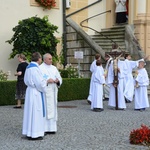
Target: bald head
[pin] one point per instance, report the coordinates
(47, 58)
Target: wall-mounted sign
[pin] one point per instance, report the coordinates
(78, 54)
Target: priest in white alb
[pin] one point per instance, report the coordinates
(122, 71)
(34, 108)
(50, 72)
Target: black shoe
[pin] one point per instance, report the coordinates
(17, 107)
(95, 109)
(127, 101)
(105, 99)
(137, 109)
(53, 132)
(34, 139)
(121, 109)
(101, 109)
(98, 109)
(89, 102)
(142, 109)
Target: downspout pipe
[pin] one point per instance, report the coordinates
(64, 39)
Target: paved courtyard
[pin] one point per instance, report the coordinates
(79, 128)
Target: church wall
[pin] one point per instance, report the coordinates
(98, 22)
(142, 25)
(13, 11)
(141, 6)
(80, 16)
(110, 17)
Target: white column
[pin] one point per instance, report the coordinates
(141, 6)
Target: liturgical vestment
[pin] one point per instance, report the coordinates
(50, 71)
(34, 110)
(121, 74)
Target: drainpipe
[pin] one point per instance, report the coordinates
(64, 37)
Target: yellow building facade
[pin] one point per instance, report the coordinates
(139, 16)
(12, 12)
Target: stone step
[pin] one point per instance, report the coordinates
(104, 38)
(109, 49)
(109, 43)
(110, 34)
(116, 27)
(115, 34)
(107, 40)
(113, 30)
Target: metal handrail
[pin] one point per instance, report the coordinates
(81, 24)
(95, 16)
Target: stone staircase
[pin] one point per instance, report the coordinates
(108, 36)
(117, 34)
(104, 40)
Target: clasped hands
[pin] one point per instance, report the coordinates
(52, 81)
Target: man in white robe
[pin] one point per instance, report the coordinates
(51, 72)
(92, 69)
(141, 84)
(97, 90)
(128, 80)
(106, 86)
(34, 109)
(110, 78)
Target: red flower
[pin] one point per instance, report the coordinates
(47, 3)
(140, 136)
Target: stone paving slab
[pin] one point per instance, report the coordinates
(79, 128)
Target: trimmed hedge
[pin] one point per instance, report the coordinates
(7, 92)
(71, 89)
(74, 89)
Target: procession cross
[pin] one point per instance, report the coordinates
(115, 55)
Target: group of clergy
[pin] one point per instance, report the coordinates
(125, 88)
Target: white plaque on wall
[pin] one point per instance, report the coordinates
(78, 54)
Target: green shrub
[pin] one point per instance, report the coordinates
(64, 73)
(71, 89)
(74, 89)
(7, 92)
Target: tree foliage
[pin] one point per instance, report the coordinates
(33, 35)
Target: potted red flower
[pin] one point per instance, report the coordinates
(140, 136)
(48, 4)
